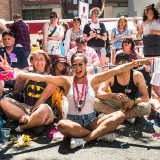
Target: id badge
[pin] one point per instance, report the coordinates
(79, 108)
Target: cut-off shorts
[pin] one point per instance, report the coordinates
(83, 120)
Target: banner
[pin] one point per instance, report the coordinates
(83, 13)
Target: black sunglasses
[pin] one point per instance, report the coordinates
(54, 16)
(128, 42)
(74, 65)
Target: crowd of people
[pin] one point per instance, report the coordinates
(97, 103)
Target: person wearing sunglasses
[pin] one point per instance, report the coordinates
(52, 36)
(96, 35)
(82, 124)
(150, 29)
(128, 93)
(72, 34)
(92, 57)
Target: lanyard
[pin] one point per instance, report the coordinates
(80, 95)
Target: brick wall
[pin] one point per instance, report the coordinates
(9, 7)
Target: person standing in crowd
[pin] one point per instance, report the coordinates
(92, 57)
(117, 35)
(81, 124)
(52, 36)
(15, 56)
(36, 110)
(95, 34)
(21, 33)
(128, 92)
(40, 39)
(72, 34)
(150, 29)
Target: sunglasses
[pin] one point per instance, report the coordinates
(54, 16)
(82, 42)
(128, 42)
(74, 65)
(96, 13)
(122, 62)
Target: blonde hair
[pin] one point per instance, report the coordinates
(124, 19)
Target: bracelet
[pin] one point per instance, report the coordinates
(134, 101)
(136, 63)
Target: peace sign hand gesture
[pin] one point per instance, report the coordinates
(4, 63)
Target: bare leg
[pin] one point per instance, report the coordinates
(43, 115)
(97, 128)
(11, 110)
(130, 114)
(1, 87)
(105, 124)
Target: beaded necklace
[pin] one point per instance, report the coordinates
(80, 104)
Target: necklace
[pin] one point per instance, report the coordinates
(80, 104)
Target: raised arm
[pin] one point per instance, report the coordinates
(101, 77)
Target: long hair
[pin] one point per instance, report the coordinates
(129, 40)
(155, 12)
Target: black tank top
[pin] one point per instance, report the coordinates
(131, 90)
(33, 91)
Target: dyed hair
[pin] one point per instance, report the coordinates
(124, 19)
(47, 67)
(79, 54)
(155, 11)
(129, 40)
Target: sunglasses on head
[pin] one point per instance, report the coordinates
(122, 62)
(74, 65)
(54, 16)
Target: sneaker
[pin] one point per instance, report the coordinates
(131, 120)
(76, 142)
(110, 137)
(38, 130)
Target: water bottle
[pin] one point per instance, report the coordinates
(1, 126)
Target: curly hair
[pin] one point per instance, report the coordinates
(155, 11)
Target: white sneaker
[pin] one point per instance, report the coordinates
(131, 120)
(76, 142)
(110, 137)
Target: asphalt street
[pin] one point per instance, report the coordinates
(133, 142)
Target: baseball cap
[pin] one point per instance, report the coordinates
(122, 55)
(80, 40)
(7, 33)
(61, 59)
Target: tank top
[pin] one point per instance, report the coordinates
(88, 107)
(131, 90)
(33, 91)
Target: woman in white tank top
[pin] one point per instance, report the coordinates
(81, 122)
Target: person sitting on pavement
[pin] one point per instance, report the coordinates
(81, 124)
(128, 46)
(35, 112)
(92, 57)
(129, 93)
(15, 57)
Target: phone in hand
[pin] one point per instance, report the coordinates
(5, 74)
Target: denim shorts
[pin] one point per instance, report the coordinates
(83, 120)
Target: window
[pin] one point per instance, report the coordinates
(75, 13)
(90, 1)
(74, 1)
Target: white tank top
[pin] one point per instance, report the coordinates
(88, 107)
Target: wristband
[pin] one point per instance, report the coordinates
(136, 63)
(134, 101)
